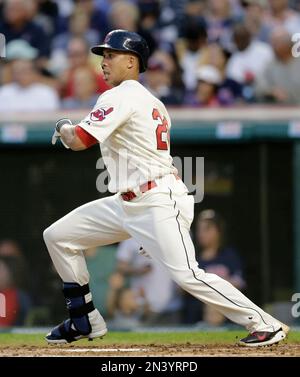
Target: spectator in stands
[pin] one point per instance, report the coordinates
(172, 65)
(279, 15)
(215, 55)
(149, 12)
(97, 18)
(78, 57)
(48, 11)
(220, 21)
(213, 89)
(229, 91)
(248, 61)
(195, 8)
(11, 250)
(45, 14)
(280, 81)
(253, 19)
(85, 87)
(126, 308)
(149, 21)
(160, 79)
(158, 18)
(13, 283)
(206, 94)
(214, 257)
(17, 302)
(65, 7)
(19, 49)
(18, 23)
(191, 10)
(25, 93)
(125, 15)
(79, 26)
(146, 277)
(189, 50)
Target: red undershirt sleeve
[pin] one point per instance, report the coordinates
(87, 139)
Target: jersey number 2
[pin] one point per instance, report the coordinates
(161, 129)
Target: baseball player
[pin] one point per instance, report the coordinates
(150, 204)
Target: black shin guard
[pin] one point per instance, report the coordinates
(77, 306)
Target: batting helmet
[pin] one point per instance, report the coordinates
(123, 40)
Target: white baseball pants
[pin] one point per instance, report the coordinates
(160, 221)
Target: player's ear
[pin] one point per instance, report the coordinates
(132, 61)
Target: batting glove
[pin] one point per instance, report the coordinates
(56, 135)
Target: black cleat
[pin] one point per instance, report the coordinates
(262, 338)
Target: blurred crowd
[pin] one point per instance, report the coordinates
(204, 53)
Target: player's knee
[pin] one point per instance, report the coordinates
(49, 235)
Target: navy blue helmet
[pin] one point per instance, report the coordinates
(124, 40)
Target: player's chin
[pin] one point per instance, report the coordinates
(105, 76)
(112, 83)
(108, 81)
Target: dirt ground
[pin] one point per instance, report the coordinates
(153, 350)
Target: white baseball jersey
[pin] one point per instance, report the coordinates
(133, 128)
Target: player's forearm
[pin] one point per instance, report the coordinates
(70, 138)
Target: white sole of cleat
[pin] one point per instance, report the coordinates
(91, 336)
(276, 339)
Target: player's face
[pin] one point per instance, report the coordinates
(115, 66)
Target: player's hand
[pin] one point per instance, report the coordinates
(56, 135)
